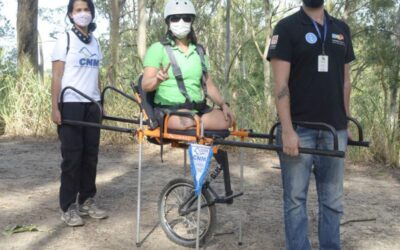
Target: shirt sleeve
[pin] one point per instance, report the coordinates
(350, 56)
(154, 56)
(60, 49)
(280, 46)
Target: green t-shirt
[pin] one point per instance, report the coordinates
(168, 92)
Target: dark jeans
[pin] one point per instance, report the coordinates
(79, 150)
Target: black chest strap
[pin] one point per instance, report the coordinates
(201, 52)
(178, 73)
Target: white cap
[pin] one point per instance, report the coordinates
(178, 7)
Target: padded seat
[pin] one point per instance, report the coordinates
(207, 133)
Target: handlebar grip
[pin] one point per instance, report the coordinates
(358, 143)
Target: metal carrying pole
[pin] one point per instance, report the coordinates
(198, 222)
(185, 162)
(139, 195)
(199, 202)
(241, 157)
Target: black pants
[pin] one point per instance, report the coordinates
(79, 150)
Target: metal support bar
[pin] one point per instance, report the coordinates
(84, 96)
(198, 222)
(318, 125)
(117, 91)
(120, 119)
(97, 125)
(364, 144)
(184, 162)
(241, 157)
(261, 136)
(333, 153)
(360, 142)
(139, 188)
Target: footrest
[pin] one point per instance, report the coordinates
(228, 199)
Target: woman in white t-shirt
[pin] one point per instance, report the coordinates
(76, 59)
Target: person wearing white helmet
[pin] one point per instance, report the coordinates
(176, 68)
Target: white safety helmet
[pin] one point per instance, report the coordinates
(178, 7)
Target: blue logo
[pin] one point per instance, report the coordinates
(311, 38)
(87, 60)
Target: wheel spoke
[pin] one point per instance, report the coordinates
(183, 227)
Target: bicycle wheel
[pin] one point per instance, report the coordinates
(182, 228)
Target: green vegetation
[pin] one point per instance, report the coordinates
(375, 25)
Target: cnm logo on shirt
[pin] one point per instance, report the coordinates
(88, 59)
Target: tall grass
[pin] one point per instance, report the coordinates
(25, 107)
(382, 132)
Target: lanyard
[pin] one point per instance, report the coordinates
(319, 33)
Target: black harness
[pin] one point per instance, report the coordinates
(189, 104)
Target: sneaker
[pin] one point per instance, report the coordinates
(90, 208)
(71, 216)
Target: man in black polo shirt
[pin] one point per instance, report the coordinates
(310, 53)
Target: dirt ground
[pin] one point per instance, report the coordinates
(29, 184)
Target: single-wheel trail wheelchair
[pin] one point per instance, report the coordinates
(177, 207)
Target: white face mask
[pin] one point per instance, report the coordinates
(82, 18)
(180, 29)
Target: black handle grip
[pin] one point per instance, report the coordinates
(260, 135)
(360, 142)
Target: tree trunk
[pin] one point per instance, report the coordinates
(398, 77)
(142, 34)
(346, 12)
(114, 40)
(394, 89)
(267, 71)
(152, 5)
(227, 41)
(385, 93)
(397, 126)
(41, 59)
(27, 34)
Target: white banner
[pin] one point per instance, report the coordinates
(200, 159)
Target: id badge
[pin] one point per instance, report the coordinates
(323, 63)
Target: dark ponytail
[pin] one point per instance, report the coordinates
(92, 26)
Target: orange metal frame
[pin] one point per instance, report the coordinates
(178, 140)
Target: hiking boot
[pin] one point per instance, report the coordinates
(71, 216)
(90, 208)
